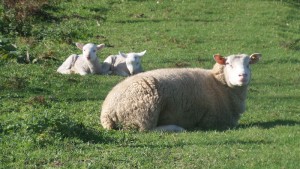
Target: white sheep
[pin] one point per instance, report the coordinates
(181, 98)
(123, 64)
(83, 64)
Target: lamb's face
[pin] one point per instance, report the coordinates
(237, 68)
(133, 61)
(89, 50)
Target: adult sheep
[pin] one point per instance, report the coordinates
(83, 64)
(179, 99)
(124, 64)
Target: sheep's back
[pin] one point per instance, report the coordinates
(80, 65)
(120, 66)
(130, 103)
(192, 97)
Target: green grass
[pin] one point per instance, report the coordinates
(48, 120)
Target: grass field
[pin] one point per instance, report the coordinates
(48, 120)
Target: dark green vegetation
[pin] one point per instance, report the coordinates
(48, 120)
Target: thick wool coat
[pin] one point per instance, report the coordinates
(187, 97)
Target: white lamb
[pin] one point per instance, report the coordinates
(179, 99)
(83, 64)
(123, 64)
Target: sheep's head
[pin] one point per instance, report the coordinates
(89, 50)
(236, 68)
(133, 61)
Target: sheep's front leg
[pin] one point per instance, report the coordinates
(169, 128)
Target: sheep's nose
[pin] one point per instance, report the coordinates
(88, 57)
(243, 75)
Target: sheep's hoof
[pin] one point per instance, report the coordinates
(169, 128)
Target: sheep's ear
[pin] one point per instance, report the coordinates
(122, 54)
(141, 53)
(79, 45)
(220, 59)
(101, 46)
(254, 58)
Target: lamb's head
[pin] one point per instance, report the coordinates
(89, 50)
(133, 61)
(236, 68)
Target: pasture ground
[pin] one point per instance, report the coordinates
(48, 120)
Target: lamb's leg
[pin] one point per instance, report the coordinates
(65, 71)
(65, 68)
(122, 73)
(81, 69)
(169, 128)
(106, 66)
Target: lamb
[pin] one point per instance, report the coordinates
(123, 64)
(179, 99)
(83, 64)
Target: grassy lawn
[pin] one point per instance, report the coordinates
(48, 120)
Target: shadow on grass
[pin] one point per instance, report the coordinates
(45, 14)
(242, 142)
(82, 98)
(79, 131)
(64, 127)
(263, 125)
(290, 42)
(294, 3)
(269, 124)
(129, 21)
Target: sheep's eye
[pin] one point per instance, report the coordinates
(94, 50)
(227, 64)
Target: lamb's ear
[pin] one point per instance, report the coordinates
(220, 59)
(141, 53)
(122, 54)
(79, 45)
(101, 46)
(254, 58)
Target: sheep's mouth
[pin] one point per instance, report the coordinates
(244, 81)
